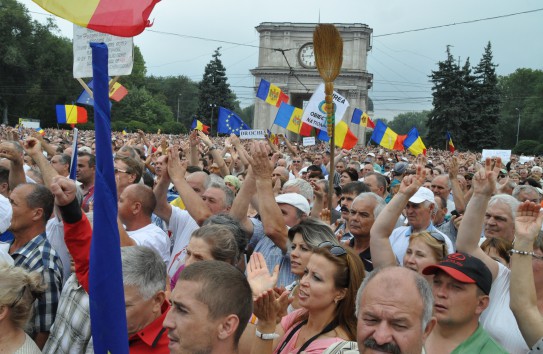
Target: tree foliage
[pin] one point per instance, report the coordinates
(214, 91)
(466, 103)
(403, 122)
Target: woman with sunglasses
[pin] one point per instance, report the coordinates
(327, 298)
(424, 249)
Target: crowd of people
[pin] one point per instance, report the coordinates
(229, 246)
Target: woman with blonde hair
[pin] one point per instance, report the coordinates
(18, 291)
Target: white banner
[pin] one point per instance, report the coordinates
(315, 113)
(310, 141)
(29, 123)
(504, 154)
(252, 134)
(524, 159)
(120, 52)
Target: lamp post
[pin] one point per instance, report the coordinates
(212, 105)
(178, 96)
(518, 123)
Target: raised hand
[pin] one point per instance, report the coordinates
(204, 138)
(484, 180)
(32, 146)
(258, 275)
(9, 151)
(176, 168)
(259, 160)
(528, 221)
(63, 189)
(411, 183)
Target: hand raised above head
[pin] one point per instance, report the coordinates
(64, 190)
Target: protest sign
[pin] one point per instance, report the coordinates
(252, 134)
(309, 141)
(504, 154)
(315, 114)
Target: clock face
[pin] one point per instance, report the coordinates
(307, 56)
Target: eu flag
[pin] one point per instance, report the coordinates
(86, 99)
(106, 292)
(229, 122)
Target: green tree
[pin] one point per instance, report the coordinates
(486, 107)
(403, 122)
(248, 114)
(521, 96)
(214, 90)
(449, 103)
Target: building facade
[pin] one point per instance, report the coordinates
(286, 59)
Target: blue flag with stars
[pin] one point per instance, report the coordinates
(229, 122)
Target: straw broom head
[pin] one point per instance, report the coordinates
(328, 47)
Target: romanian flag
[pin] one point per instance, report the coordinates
(344, 137)
(117, 92)
(196, 124)
(362, 118)
(40, 131)
(289, 117)
(274, 139)
(271, 93)
(450, 144)
(123, 18)
(386, 137)
(71, 114)
(414, 143)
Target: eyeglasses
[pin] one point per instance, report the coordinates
(296, 161)
(334, 249)
(118, 170)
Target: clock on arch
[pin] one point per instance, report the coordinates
(306, 56)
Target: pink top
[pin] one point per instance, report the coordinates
(318, 346)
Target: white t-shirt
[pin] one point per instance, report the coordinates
(498, 319)
(5, 214)
(153, 237)
(399, 240)
(181, 225)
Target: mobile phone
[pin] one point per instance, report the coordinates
(455, 213)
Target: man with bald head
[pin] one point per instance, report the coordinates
(136, 204)
(394, 310)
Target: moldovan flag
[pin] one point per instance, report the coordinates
(414, 143)
(71, 114)
(289, 117)
(344, 138)
(123, 18)
(386, 137)
(450, 144)
(40, 131)
(271, 93)
(106, 292)
(362, 118)
(196, 124)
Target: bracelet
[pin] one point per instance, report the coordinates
(524, 253)
(266, 336)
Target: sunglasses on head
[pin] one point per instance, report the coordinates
(334, 249)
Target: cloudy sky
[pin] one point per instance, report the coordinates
(400, 63)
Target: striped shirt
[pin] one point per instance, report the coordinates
(38, 255)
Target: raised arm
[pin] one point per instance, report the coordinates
(217, 155)
(196, 207)
(288, 145)
(270, 213)
(240, 149)
(381, 251)
(241, 203)
(523, 301)
(44, 144)
(13, 151)
(458, 195)
(163, 209)
(469, 233)
(34, 149)
(194, 142)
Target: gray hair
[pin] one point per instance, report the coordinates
(305, 187)
(524, 188)
(508, 200)
(228, 194)
(227, 221)
(221, 239)
(65, 159)
(145, 269)
(314, 232)
(380, 203)
(423, 287)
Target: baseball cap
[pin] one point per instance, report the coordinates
(294, 199)
(371, 154)
(404, 159)
(464, 268)
(423, 194)
(400, 167)
(85, 149)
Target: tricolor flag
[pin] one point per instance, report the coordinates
(71, 114)
(106, 292)
(117, 92)
(362, 118)
(124, 18)
(197, 125)
(289, 117)
(40, 131)
(124, 131)
(414, 143)
(386, 137)
(450, 144)
(343, 136)
(271, 93)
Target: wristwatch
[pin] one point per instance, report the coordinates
(266, 336)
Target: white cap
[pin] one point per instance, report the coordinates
(85, 149)
(294, 199)
(371, 154)
(404, 159)
(423, 194)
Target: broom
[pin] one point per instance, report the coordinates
(328, 48)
